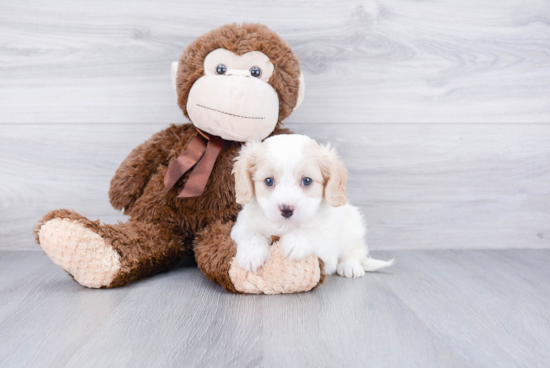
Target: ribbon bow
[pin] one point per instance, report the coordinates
(203, 151)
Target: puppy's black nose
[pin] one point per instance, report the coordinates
(286, 211)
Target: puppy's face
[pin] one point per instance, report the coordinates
(290, 176)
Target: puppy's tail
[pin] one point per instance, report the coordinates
(371, 264)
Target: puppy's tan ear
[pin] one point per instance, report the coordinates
(245, 164)
(335, 175)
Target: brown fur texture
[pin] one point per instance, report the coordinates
(323, 274)
(241, 39)
(214, 251)
(163, 228)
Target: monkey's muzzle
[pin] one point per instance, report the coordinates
(236, 108)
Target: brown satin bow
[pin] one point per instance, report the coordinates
(203, 151)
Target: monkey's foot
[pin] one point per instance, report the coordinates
(78, 249)
(278, 275)
(215, 252)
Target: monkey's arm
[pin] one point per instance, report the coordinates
(135, 171)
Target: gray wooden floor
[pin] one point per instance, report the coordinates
(435, 308)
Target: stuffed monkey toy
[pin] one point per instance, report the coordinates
(235, 83)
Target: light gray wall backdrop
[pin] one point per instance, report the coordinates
(440, 109)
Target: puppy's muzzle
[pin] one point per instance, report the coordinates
(286, 211)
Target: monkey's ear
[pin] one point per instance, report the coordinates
(301, 91)
(174, 74)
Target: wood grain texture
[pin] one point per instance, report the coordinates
(392, 61)
(432, 309)
(420, 186)
(514, 303)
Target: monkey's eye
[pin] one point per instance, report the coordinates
(221, 69)
(256, 72)
(269, 182)
(306, 182)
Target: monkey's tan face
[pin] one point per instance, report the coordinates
(233, 99)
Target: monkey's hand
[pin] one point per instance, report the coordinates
(136, 170)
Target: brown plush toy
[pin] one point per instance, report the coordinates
(235, 83)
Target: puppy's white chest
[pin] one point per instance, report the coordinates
(278, 229)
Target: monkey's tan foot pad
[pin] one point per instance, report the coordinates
(79, 251)
(278, 275)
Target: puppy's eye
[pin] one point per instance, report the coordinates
(306, 182)
(256, 72)
(269, 182)
(221, 69)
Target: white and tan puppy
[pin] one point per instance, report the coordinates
(294, 188)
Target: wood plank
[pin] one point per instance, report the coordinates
(193, 321)
(420, 186)
(465, 308)
(484, 304)
(45, 316)
(52, 321)
(386, 62)
(351, 323)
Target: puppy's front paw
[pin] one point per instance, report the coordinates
(252, 258)
(351, 268)
(296, 246)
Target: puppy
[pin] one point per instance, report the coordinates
(293, 188)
